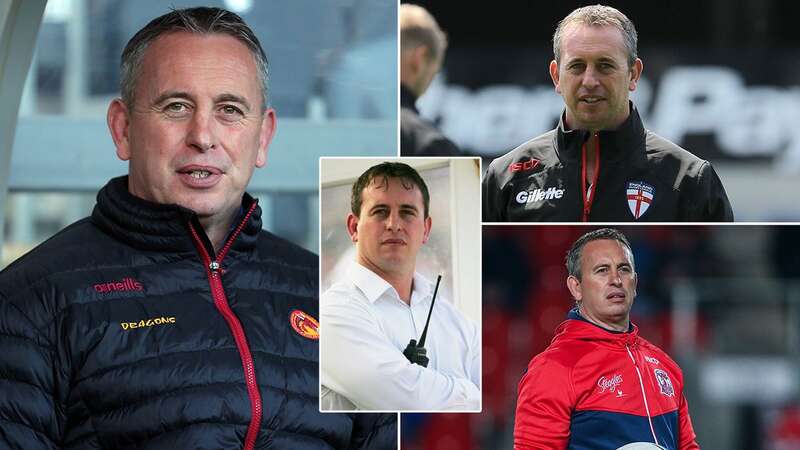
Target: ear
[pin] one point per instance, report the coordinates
(636, 73)
(574, 286)
(554, 75)
(428, 223)
(635, 283)
(118, 119)
(352, 227)
(269, 123)
(418, 60)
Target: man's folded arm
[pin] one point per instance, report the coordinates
(360, 363)
(29, 417)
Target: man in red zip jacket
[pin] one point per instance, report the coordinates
(600, 164)
(170, 319)
(599, 385)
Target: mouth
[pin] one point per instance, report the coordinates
(198, 176)
(393, 241)
(591, 100)
(199, 172)
(614, 296)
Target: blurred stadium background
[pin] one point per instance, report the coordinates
(721, 78)
(333, 83)
(723, 301)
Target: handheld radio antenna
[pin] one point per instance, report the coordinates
(428, 321)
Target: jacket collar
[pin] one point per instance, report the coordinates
(160, 227)
(578, 328)
(408, 99)
(626, 143)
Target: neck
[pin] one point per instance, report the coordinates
(401, 281)
(619, 325)
(217, 228)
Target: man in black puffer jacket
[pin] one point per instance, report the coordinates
(169, 319)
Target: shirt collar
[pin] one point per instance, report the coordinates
(373, 286)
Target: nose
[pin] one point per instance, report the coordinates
(590, 78)
(393, 221)
(201, 135)
(616, 278)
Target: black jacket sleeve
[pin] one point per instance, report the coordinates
(374, 432)
(30, 416)
(491, 194)
(712, 201)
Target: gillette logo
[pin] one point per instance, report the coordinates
(126, 284)
(539, 195)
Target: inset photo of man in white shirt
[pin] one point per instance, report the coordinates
(400, 281)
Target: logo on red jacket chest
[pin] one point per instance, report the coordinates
(664, 383)
(304, 324)
(609, 383)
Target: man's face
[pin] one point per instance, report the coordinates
(608, 283)
(391, 227)
(198, 127)
(593, 77)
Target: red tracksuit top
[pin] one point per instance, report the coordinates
(594, 389)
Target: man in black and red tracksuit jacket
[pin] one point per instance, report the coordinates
(599, 385)
(600, 164)
(169, 319)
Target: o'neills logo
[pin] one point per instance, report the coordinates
(609, 383)
(126, 284)
(144, 323)
(539, 195)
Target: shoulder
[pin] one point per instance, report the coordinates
(418, 137)
(539, 151)
(344, 297)
(663, 151)
(662, 359)
(459, 321)
(279, 250)
(80, 245)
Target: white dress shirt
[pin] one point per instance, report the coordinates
(364, 328)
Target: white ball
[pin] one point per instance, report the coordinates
(641, 446)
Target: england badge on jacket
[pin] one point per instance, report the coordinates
(640, 195)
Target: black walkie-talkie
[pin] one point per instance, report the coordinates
(414, 352)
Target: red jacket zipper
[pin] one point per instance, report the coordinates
(589, 199)
(644, 395)
(214, 271)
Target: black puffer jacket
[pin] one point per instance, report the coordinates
(640, 177)
(111, 338)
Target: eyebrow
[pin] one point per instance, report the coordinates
(172, 94)
(402, 207)
(226, 97)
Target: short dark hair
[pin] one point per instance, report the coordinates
(576, 251)
(385, 170)
(599, 15)
(201, 20)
